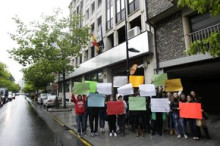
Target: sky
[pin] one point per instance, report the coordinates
(26, 10)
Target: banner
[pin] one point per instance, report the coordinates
(119, 81)
(173, 85)
(115, 107)
(137, 103)
(93, 86)
(126, 90)
(147, 90)
(96, 100)
(160, 105)
(81, 88)
(159, 79)
(190, 110)
(136, 80)
(104, 88)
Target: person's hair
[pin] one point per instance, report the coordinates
(109, 97)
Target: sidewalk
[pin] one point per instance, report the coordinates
(131, 140)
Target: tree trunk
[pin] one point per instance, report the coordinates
(64, 90)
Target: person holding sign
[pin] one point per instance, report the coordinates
(121, 117)
(192, 122)
(79, 110)
(111, 121)
(204, 126)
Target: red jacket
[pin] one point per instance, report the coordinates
(79, 105)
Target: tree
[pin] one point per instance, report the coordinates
(54, 39)
(28, 88)
(5, 79)
(211, 44)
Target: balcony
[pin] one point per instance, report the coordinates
(115, 55)
(204, 33)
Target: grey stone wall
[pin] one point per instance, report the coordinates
(156, 7)
(170, 38)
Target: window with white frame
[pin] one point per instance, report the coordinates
(120, 10)
(109, 21)
(133, 5)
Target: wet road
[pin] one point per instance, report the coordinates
(20, 125)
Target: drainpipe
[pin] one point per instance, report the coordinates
(155, 43)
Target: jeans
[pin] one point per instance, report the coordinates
(112, 123)
(192, 126)
(102, 115)
(93, 115)
(80, 125)
(85, 117)
(183, 124)
(176, 122)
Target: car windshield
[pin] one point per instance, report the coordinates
(52, 97)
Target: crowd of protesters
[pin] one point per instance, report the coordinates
(141, 122)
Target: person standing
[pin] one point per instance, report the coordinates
(198, 99)
(183, 120)
(121, 118)
(79, 111)
(111, 121)
(102, 117)
(85, 115)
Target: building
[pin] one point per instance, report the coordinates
(160, 31)
(174, 29)
(108, 16)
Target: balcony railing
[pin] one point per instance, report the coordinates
(204, 33)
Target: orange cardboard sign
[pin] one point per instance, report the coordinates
(190, 110)
(136, 80)
(115, 107)
(173, 85)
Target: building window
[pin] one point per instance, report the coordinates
(76, 61)
(92, 28)
(99, 3)
(109, 12)
(202, 26)
(86, 55)
(80, 59)
(100, 77)
(93, 7)
(94, 77)
(92, 52)
(87, 14)
(120, 10)
(133, 5)
(73, 62)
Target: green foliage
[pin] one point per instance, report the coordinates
(28, 88)
(5, 80)
(211, 44)
(202, 6)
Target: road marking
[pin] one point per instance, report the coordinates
(80, 138)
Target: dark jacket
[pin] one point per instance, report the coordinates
(174, 105)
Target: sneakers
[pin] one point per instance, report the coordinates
(92, 134)
(178, 136)
(96, 134)
(185, 136)
(110, 134)
(79, 135)
(115, 134)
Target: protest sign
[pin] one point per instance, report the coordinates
(81, 88)
(96, 100)
(160, 105)
(190, 110)
(173, 85)
(104, 88)
(126, 90)
(136, 80)
(159, 79)
(147, 90)
(92, 85)
(115, 107)
(137, 104)
(119, 81)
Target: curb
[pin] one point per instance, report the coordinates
(59, 110)
(83, 140)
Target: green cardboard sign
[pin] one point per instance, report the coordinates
(137, 103)
(93, 86)
(81, 88)
(159, 79)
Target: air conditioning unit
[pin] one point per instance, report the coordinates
(133, 32)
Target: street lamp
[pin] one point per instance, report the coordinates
(126, 43)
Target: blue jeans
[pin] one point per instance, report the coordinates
(176, 122)
(79, 121)
(183, 124)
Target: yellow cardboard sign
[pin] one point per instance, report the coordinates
(136, 80)
(173, 85)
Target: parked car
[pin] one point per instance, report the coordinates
(4, 94)
(10, 96)
(50, 101)
(42, 97)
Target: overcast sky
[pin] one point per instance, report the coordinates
(27, 10)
